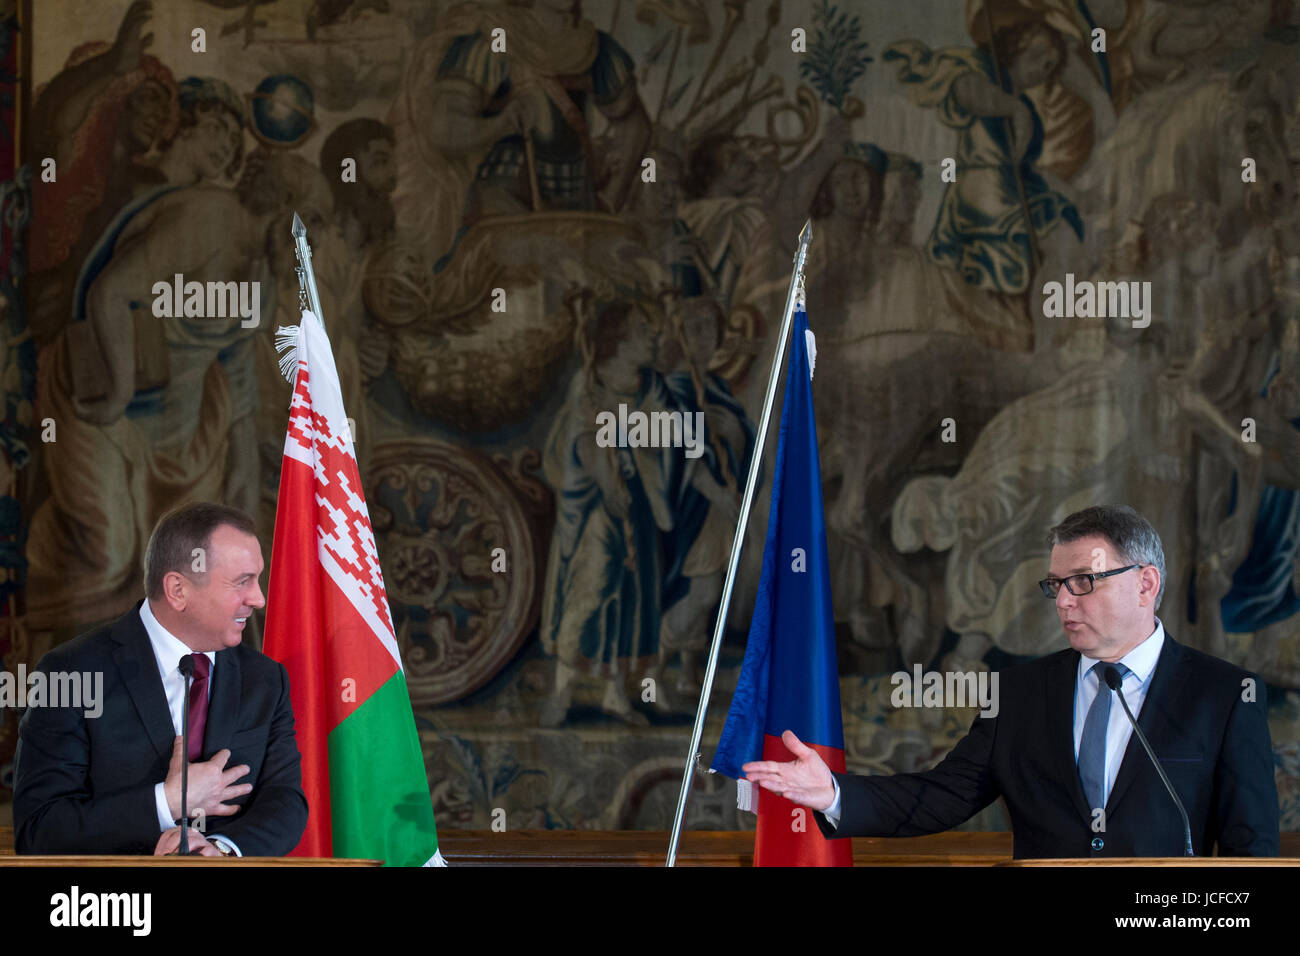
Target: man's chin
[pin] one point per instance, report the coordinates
(1080, 639)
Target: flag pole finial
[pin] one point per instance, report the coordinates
(805, 235)
(308, 297)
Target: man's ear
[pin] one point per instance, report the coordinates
(1150, 581)
(176, 590)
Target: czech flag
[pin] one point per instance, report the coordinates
(789, 679)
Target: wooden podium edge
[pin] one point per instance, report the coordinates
(1175, 861)
(648, 848)
(146, 861)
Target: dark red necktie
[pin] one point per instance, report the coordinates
(198, 704)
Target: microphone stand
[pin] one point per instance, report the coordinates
(1114, 682)
(187, 671)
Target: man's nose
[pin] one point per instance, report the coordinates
(1064, 599)
(257, 599)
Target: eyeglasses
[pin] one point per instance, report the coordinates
(1078, 584)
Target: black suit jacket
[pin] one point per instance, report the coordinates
(1213, 745)
(86, 785)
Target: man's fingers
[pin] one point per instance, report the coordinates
(220, 758)
(795, 745)
(170, 841)
(763, 766)
(812, 799)
(198, 841)
(231, 774)
(783, 789)
(223, 810)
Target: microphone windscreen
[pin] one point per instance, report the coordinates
(186, 666)
(1113, 680)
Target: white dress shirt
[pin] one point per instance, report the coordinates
(1141, 663)
(168, 651)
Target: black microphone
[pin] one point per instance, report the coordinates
(1114, 681)
(186, 666)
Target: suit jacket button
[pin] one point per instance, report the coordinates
(1098, 843)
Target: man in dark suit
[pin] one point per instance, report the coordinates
(1060, 750)
(110, 783)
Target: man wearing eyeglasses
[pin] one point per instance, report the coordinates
(1061, 751)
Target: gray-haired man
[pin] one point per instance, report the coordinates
(1060, 750)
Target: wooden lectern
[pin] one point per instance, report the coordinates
(133, 861)
(1175, 861)
(725, 848)
(9, 859)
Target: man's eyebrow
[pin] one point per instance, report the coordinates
(1083, 570)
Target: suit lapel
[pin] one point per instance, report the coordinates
(1060, 726)
(1166, 688)
(223, 704)
(138, 668)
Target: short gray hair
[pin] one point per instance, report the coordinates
(1130, 536)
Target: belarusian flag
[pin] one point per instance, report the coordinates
(327, 621)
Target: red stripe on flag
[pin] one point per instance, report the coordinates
(335, 660)
(293, 612)
(314, 630)
(787, 833)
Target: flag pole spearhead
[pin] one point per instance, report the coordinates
(805, 236)
(308, 297)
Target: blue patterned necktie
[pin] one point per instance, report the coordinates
(1092, 748)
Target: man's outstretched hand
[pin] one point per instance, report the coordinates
(804, 780)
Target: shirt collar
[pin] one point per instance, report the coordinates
(1141, 661)
(167, 647)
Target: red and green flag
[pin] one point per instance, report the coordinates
(328, 622)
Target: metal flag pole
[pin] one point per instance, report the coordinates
(307, 294)
(778, 360)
